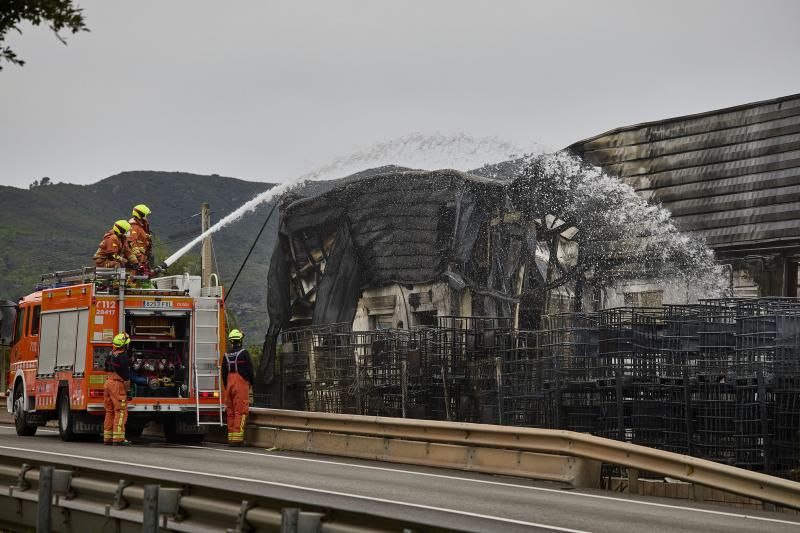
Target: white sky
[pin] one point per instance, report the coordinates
(269, 90)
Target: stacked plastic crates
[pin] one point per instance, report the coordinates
(754, 373)
(719, 379)
(680, 353)
(713, 399)
(483, 391)
(767, 386)
(445, 370)
(463, 366)
(383, 365)
(423, 379)
(786, 459)
(631, 395)
(294, 347)
(786, 385)
(570, 343)
(526, 401)
(416, 382)
(333, 373)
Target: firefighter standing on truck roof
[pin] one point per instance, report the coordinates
(237, 376)
(112, 252)
(139, 239)
(115, 392)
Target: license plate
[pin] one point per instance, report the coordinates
(157, 305)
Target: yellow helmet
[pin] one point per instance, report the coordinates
(235, 335)
(122, 339)
(141, 211)
(121, 227)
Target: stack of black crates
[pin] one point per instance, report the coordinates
(631, 394)
(466, 366)
(718, 380)
(569, 368)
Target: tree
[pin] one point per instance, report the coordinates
(58, 14)
(45, 181)
(584, 227)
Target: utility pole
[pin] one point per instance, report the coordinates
(205, 254)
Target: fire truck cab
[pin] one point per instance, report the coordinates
(63, 334)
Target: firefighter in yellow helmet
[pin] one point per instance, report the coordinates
(139, 241)
(237, 376)
(111, 253)
(116, 390)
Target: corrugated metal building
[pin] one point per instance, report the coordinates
(731, 176)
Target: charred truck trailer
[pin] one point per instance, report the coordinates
(63, 334)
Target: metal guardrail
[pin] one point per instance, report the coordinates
(98, 500)
(558, 442)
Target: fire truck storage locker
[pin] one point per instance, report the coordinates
(63, 337)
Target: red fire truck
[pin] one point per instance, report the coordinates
(62, 336)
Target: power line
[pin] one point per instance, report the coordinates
(228, 292)
(216, 264)
(179, 235)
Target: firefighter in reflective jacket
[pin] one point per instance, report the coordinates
(237, 376)
(139, 240)
(112, 251)
(115, 392)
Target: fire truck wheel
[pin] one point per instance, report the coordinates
(66, 419)
(21, 424)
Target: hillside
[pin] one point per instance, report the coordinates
(58, 227)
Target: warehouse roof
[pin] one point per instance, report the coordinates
(731, 175)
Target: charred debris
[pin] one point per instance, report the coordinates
(484, 246)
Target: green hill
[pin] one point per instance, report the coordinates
(58, 227)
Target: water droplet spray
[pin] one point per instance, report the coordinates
(459, 151)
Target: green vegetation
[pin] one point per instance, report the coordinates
(255, 351)
(58, 227)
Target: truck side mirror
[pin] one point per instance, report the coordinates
(8, 313)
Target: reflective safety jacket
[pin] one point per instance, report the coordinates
(119, 362)
(139, 240)
(237, 363)
(111, 251)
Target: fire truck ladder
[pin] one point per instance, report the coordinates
(207, 378)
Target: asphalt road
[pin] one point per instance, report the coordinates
(465, 501)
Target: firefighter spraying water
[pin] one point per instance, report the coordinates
(107, 349)
(112, 251)
(139, 240)
(101, 354)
